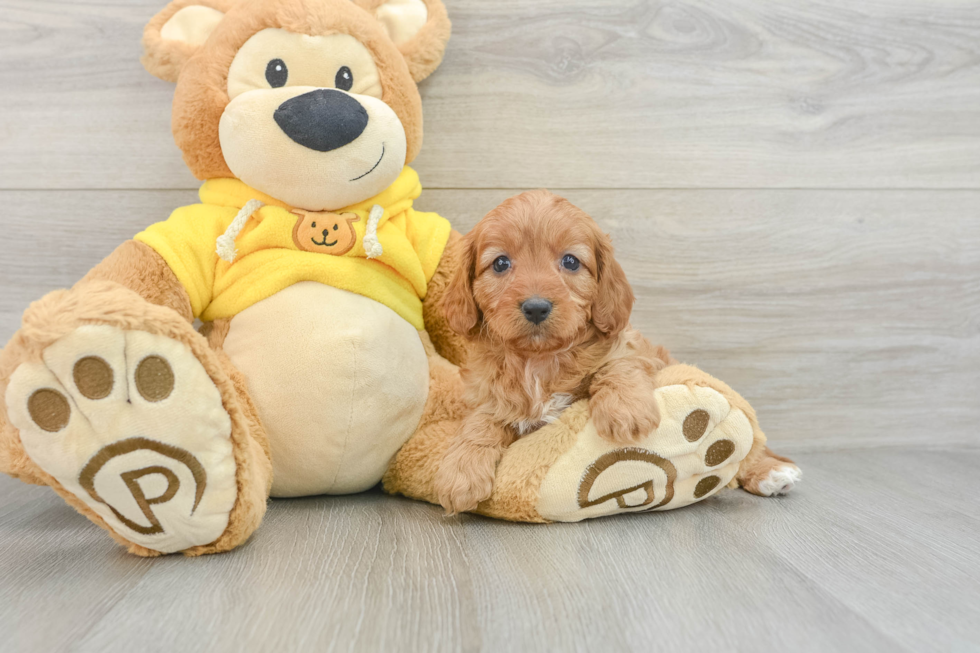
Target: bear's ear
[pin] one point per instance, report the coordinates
(176, 33)
(420, 29)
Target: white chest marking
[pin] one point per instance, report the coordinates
(548, 412)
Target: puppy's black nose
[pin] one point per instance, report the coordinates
(536, 310)
(322, 120)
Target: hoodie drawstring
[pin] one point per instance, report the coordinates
(226, 242)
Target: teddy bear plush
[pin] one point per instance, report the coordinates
(324, 363)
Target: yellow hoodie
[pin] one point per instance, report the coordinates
(269, 259)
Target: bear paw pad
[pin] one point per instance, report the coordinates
(693, 453)
(131, 424)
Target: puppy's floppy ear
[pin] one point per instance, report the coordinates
(420, 29)
(458, 304)
(177, 32)
(613, 300)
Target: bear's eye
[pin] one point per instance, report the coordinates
(344, 79)
(276, 73)
(501, 264)
(313, 226)
(570, 263)
(336, 227)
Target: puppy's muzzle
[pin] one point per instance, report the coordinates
(322, 120)
(536, 310)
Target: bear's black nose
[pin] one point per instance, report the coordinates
(322, 120)
(536, 310)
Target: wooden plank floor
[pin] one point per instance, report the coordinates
(794, 190)
(878, 551)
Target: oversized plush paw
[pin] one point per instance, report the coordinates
(131, 424)
(693, 453)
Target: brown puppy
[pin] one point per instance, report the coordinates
(546, 307)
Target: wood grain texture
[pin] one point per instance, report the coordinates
(565, 93)
(847, 318)
(862, 557)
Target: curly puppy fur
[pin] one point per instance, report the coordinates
(523, 370)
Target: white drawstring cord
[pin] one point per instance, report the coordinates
(226, 242)
(372, 247)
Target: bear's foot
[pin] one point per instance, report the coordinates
(132, 426)
(567, 472)
(694, 452)
(708, 438)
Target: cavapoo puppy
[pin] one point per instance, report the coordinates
(546, 308)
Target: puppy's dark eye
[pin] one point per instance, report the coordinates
(276, 73)
(569, 262)
(501, 264)
(344, 79)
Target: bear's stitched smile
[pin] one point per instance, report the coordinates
(324, 243)
(375, 165)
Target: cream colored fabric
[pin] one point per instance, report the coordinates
(402, 19)
(192, 25)
(339, 380)
(594, 468)
(310, 61)
(146, 448)
(260, 154)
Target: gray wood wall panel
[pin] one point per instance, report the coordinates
(847, 318)
(566, 93)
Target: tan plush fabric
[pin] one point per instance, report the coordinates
(516, 490)
(164, 58)
(192, 25)
(136, 266)
(402, 19)
(424, 50)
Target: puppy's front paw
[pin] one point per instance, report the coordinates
(463, 481)
(623, 419)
